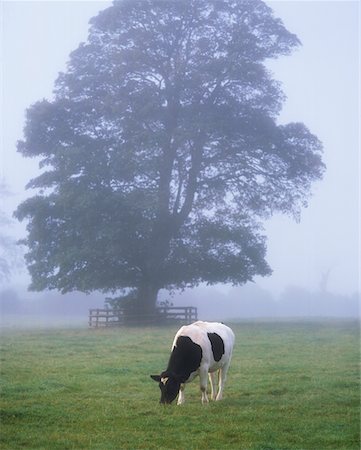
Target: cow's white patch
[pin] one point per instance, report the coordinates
(197, 332)
(164, 380)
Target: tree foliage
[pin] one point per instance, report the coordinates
(161, 150)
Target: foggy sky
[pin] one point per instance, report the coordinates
(320, 80)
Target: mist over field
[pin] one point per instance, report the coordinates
(248, 302)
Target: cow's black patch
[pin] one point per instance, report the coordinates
(185, 358)
(217, 345)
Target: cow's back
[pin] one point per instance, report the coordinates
(215, 339)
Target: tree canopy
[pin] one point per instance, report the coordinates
(161, 151)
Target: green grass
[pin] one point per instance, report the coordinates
(292, 385)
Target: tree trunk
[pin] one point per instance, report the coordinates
(146, 304)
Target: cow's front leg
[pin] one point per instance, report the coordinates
(203, 375)
(181, 398)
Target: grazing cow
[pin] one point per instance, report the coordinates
(201, 348)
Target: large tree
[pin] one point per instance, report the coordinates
(161, 151)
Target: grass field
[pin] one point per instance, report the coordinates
(292, 385)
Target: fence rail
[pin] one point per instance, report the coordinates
(163, 314)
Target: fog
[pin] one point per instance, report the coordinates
(321, 82)
(219, 304)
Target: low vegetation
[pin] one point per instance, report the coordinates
(292, 385)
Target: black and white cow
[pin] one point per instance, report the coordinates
(201, 348)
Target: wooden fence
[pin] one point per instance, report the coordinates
(163, 315)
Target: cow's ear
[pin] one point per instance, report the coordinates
(155, 378)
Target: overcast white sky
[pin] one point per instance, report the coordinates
(321, 81)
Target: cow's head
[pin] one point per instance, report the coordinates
(169, 385)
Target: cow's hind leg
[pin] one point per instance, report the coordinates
(221, 381)
(212, 379)
(203, 375)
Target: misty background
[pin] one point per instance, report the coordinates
(315, 263)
